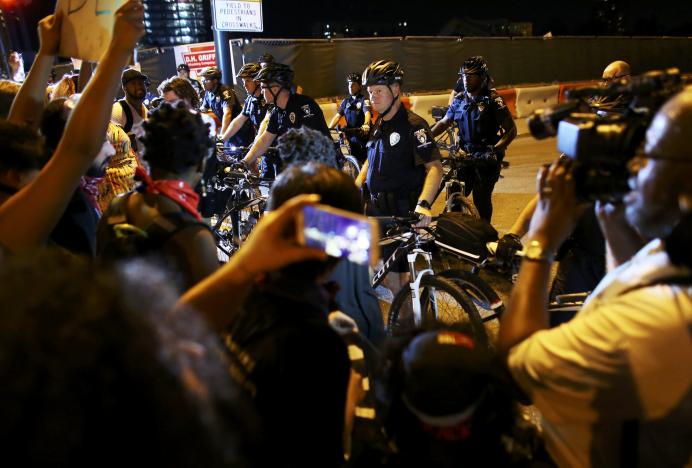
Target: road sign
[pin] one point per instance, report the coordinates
(232, 15)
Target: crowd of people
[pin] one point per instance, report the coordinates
(123, 340)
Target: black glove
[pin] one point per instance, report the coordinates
(239, 166)
(507, 247)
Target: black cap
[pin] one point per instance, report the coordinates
(132, 74)
(446, 373)
(184, 66)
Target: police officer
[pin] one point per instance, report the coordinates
(402, 172)
(356, 110)
(184, 72)
(254, 108)
(486, 128)
(290, 110)
(223, 103)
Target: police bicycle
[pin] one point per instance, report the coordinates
(428, 297)
(244, 207)
(347, 162)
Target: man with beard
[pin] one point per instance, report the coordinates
(131, 112)
(614, 385)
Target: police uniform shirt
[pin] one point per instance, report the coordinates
(397, 151)
(478, 118)
(300, 111)
(353, 108)
(218, 100)
(254, 108)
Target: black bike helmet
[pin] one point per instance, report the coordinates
(211, 72)
(265, 58)
(353, 78)
(249, 70)
(383, 72)
(276, 73)
(475, 64)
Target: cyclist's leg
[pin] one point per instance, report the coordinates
(483, 189)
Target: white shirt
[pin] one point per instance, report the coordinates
(118, 117)
(626, 355)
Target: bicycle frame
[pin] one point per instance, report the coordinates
(413, 250)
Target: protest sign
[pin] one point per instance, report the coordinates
(87, 27)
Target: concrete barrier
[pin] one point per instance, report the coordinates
(536, 97)
(422, 105)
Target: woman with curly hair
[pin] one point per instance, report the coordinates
(160, 219)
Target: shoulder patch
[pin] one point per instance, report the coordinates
(500, 102)
(226, 94)
(421, 135)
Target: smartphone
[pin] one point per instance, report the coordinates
(339, 233)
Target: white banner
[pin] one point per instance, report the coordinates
(232, 15)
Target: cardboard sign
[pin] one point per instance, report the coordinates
(87, 26)
(196, 56)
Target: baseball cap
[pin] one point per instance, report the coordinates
(183, 66)
(446, 374)
(132, 74)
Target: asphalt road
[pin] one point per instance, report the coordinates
(518, 183)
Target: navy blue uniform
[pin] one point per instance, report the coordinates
(214, 202)
(254, 108)
(353, 108)
(398, 150)
(300, 111)
(479, 121)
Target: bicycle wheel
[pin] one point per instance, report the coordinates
(350, 167)
(487, 302)
(442, 301)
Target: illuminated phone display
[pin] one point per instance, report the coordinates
(339, 233)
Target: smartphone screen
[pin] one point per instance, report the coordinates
(339, 233)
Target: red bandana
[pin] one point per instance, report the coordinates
(177, 190)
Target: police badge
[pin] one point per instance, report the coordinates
(292, 117)
(394, 138)
(359, 105)
(421, 136)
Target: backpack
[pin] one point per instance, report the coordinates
(129, 120)
(118, 239)
(464, 234)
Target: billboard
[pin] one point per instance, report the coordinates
(196, 56)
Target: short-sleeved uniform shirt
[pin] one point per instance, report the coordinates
(479, 119)
(218, 100)
(254, 108)
(398, 150)
(300, 111)
(353, 108)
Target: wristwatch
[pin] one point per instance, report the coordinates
(424, 204)
(535, 252)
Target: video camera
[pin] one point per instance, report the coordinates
(602, 128)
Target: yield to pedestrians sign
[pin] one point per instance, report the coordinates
(238, 15)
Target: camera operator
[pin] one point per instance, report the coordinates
(614, 385)
(582, 257)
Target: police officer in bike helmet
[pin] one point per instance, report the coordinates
(184, 72)
(290, 110)
(402, 172)
(355, 109)
(486, 128)
(254, 107)
(221, 101)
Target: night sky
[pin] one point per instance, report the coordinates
(298, 18)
